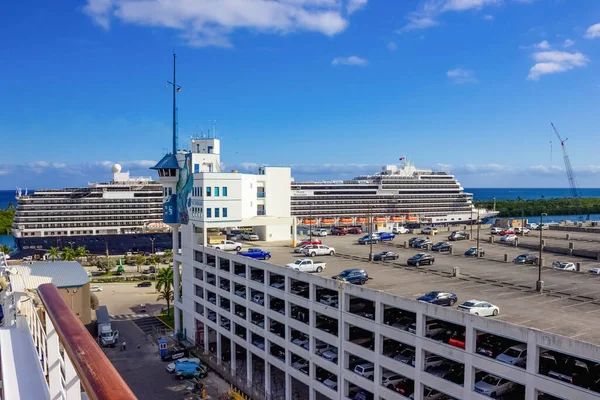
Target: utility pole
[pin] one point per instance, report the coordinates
(152, 239)
(370, 221)
(478, 225)
(471, 223)
(539, 285)
(310, 224)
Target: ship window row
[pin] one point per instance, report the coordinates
(144, 216)
(376, 210)
(74, 208)
(84, 202)
(61, 214)
(384, 202)
(315, 187)
(73, 225)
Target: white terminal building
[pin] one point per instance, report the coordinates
(283, 334)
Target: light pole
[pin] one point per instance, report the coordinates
(71, 244)
(539, 285)
(152, 239)
(370, 221)
(471, 222)
(310, 224)
(478, 225)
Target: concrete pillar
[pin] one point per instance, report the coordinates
(176, 279)
(543, 243)
(233, 357)
(571, 248)
(294, 231)
(288, 386)
(597, 256)
(249, 367)
(568, 236)
(578, 266)
(451, 249)
(406, 244)
(516, 242)
(267, 378)
(219, 337)
(505, 257)
(491, 239)
(204, 236)
(456, 272)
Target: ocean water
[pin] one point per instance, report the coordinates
(480, 194)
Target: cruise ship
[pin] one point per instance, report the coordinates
(398, 195)
(124, 215)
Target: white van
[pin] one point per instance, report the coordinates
(366, 370)
(259, 298)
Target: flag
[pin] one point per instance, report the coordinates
(401, 158)
(178, 89)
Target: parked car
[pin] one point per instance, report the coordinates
(526, 259)
(406, 355)
(95, 288)
(457, 235)
(307, 265)
(472, 252)
(144, 284)
(329, 299)
(508, 231)
(478, 307)
(175, 354)
(300, 249)
(312, 241)
(495, 230)
(385, 236)
(594, 271)
(318, 250)
(441, 247)
(322, 347)
(432, 328)
(493, 386)
(355, 276)
(564, 266)
(249, 236)
(365, 370)
(429, 394)
(389, 379)
(228, 245)
(510, 238)
(492, 346)
(339, 231)
(421, 243)
(406, 387)
(430, 361)
(373, 238)
(522, 231)
(420, 259)
(400, 230)
(355, 231)
(171, 366)
(412, 240)
(439, 298)
(429, 231)
(331, 382)
(514, 355)
(256, 253)
(319, 232)
(385, 255)
(189, 370)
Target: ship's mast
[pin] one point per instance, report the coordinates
(176, 88)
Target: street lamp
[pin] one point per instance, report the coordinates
(471, 223)
(310, 224)
(152, 239)
(71, 244)
(478, 226)
(539, 285)
(370, 221)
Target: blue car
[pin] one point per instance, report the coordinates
(355, 276)
(439, 298)
(386, 236)
(374, 238)
(256, 253)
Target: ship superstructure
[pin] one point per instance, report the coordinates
(399, 195)
(119, 216)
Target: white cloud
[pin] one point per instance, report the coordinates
(355, 5)
(593, 32)
(543, 45)
(392, 46)
(211, 22)
(462, 5)
(352, 60)
(488, 17)
(417, 21)
(460, 76)
(568, 43)
(551, 62)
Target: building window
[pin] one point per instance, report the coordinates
(208, 213)
(197, 148)
(216, 191)
(210, 149)
(216, 213)
(196, 168)
(224, 212)
(224, 191)
(208, 191)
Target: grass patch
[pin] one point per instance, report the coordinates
(167, 318)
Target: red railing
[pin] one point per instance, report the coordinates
(99, 378)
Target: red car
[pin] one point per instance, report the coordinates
(405, 387)
(339, 231)
(508, 232)
(355, 231)
(308, 241)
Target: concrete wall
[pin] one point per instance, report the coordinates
(78, 298)
(533, 338)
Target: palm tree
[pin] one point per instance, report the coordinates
(164, 286)
(81, 252)
(54, 253)
(140, 259)
(68, 254)
(5, 249)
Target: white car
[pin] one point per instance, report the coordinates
(329, 300)
(478, 307)
(300, 342)
(300, 249)
(319, 250)
(300, 364)
(249, 236)
(595, 271)
(514, 355)
(319, 232)
(429, 230)
(509, 238)
(522, 231)
(390, 379)
(278, 285)
(228, 245)
(401, 230)
(430, 361)
(564, 266)
(95, 288)
(366, 370)
(171, 367)
(331, 382)
(493, 386)
(429, 394)
(495, 230)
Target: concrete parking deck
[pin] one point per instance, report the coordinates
(569, 306)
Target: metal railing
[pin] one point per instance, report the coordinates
(71, 358)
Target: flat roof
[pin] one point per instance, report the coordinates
(63, 274)
(569, 305)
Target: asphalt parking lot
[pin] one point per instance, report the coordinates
(569, 306)
(142, 368)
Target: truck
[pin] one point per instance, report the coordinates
(228, 245)
(255, 253)
(306, 265)
(106, 335)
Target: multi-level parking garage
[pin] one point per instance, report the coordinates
(299, 335)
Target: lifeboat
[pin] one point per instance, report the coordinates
(328, 221)
(380, 219)
(412, 219)
(396, 219)
(345, 220)
(309, 221)
(361, 220)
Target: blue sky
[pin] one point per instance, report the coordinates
(333, 88)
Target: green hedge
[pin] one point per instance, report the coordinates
(563, 206)
(112, 279)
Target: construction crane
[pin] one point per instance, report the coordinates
(570, 174)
